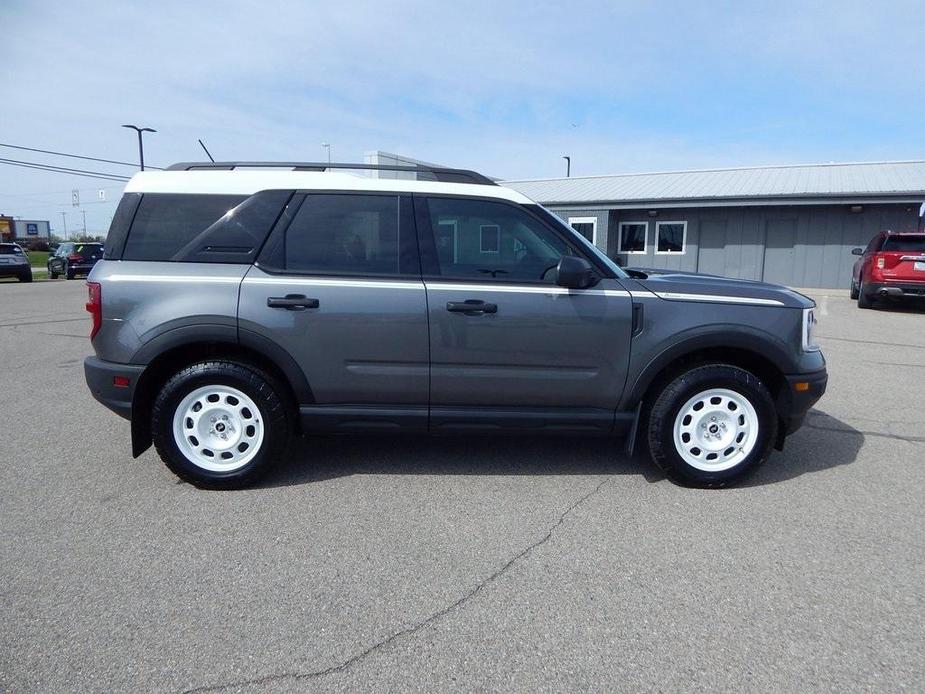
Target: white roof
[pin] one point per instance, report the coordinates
(898, 179)
(249, 181)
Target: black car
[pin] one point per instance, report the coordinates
(14, 262)
(72, 259)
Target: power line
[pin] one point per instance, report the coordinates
(62, 169)
(74, 156)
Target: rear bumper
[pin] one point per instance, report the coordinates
(896, 290)
(100, 375)
(795, 403)
(15, 270)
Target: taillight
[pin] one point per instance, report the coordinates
(95, 306)
(881, 262)
(75, 257)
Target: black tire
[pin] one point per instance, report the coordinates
(26, 277)
(68, 272)
(864, 299)
(854, 290)
(52, 274)
(674, 395)
(267, 395)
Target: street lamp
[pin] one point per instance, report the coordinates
(141, 151)
(327, 146)
(568, 167)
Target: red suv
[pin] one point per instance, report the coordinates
(892, 266)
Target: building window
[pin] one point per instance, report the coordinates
(633, 238)
(586, 226)
(671, 238)
(490, 238)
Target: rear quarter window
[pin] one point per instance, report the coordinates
(165, 222)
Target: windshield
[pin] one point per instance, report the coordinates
(909, 244)
(585, 244)
(10, 249)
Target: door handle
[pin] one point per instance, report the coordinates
(292, 302)
(471, 307)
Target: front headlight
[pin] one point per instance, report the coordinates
(809, 330)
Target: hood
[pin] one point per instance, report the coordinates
(687, 286)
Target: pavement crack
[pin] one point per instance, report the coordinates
(498, 573)
(859, 432)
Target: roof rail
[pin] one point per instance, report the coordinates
(436, 173)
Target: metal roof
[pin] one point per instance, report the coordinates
(754, 185)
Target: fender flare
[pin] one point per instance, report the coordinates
(761, 344)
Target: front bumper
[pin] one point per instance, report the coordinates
(896, 290)
(802, 392)
(100, 377)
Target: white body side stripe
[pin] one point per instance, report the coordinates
(719, 299)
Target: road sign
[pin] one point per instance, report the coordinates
(75, 198)
(102, 195)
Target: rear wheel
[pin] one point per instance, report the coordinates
(711, 426)
(220, 425)
(864, 299)
(854, 289)
(69, 272)
(26, 276)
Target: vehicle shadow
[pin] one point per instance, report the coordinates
(824, 443)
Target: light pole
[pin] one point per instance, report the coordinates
(327, 146)
(568, 167)
(84, 213)
(64, 220)
(141, 149)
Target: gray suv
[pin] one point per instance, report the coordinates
(241, 304)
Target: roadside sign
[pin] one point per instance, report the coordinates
(75, 198)
(102, 194)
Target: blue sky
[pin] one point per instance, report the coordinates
(503, 87)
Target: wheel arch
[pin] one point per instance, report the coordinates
(182, 347)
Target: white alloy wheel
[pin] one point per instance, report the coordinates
(716, 430)
(218, 428)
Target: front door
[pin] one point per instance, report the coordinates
(339, 288)
(508, 347)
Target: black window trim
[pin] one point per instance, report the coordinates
(428, 247)
(277, 235)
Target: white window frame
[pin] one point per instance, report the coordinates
(586, 220)
(683, 238)
(645, 238)
(497, 228)
(455, 224)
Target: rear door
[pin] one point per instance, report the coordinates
(508, 347)
(338, 287)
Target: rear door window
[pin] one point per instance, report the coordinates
(348, 234)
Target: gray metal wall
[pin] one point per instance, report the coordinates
(800, 246)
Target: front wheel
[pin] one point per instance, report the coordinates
(220, 425)
(26, 277)
(711, 426)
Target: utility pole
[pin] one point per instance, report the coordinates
(64, 219)
(141, 150)
(327, 146)
(84, 213)
(568, 167)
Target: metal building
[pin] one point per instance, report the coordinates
(793, 225)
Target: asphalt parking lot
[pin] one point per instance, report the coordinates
(493, 564)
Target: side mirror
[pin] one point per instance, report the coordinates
(575, 273)
(857, 251)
